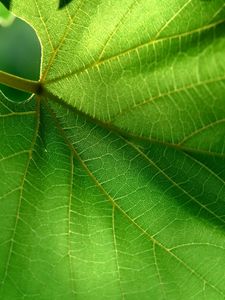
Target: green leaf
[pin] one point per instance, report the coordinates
(139, 65)
(113, 177)
(62, 3)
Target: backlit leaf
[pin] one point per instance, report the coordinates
(113, 179)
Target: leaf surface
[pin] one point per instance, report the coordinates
(148, 75)
(113, 182)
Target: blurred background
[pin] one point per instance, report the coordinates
(20, 52)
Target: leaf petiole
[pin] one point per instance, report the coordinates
(23, 84)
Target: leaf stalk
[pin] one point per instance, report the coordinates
(19, 83)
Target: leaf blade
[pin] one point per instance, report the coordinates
(107, 215)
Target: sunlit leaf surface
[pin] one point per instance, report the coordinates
(113, 182)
